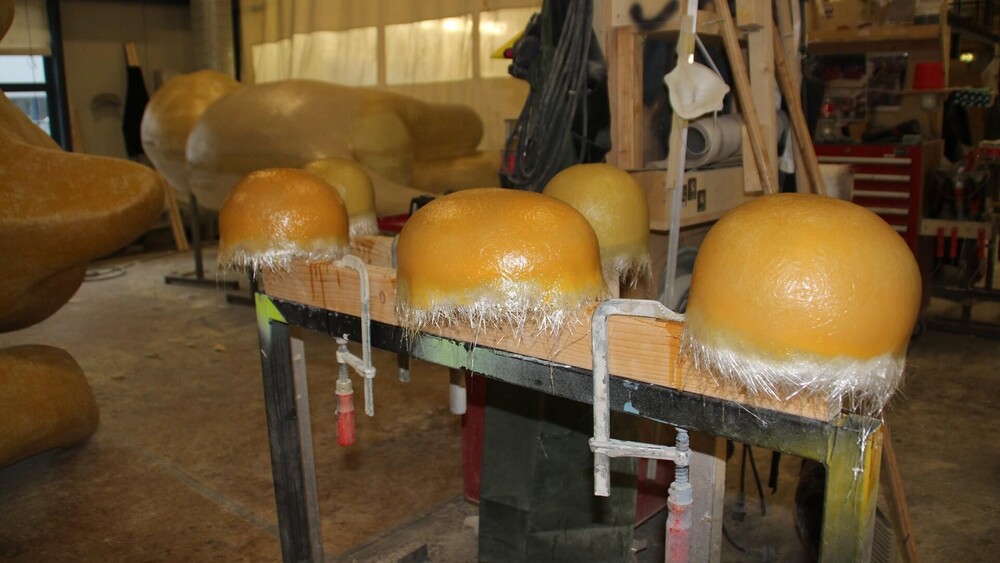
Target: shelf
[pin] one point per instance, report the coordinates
(874, 38)
(868, 37)
(876, 33)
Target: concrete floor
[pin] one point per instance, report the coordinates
(179, 469)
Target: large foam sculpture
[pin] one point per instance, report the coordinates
(6, 15)
(275, 216)
(290, 123)
(616, 207)
(800, 293)
(46, 401)
(172, 113)
(491, 257)
(60, 210)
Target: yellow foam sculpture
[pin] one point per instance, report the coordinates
(289, 123)
(804, 293)
(355, 188)
(60, 210)
(46, 401)
(172, 113)
(616, 206)
(277, 215)
(6, 15)
(492, 257)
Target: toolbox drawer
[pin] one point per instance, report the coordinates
(888, 179)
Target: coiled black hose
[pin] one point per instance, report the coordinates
(540, 144)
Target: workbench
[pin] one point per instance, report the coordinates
(648, 378)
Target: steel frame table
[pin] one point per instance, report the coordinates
(849, 445)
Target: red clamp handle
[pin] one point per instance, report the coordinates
(345, 419)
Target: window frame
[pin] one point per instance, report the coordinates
(54, 85)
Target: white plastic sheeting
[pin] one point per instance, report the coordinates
(433, 50)
(436, 50)
(29, 32)
(346, 57)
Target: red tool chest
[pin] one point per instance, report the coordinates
(889, 179)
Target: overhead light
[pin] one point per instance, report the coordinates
(967, 57)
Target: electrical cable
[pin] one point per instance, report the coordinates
(537, 144)
(732, 542)
(103, 274)
(764, 553)
(107, 273)
(756, 478)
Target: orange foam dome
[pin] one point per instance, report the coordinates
(276, 215)
(795, 292)
(492, 256)
(616, 206)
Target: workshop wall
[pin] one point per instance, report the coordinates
(94, 32)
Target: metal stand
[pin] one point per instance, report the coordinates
(965, 291)
(850, 446)
(198, 278)
(243, 299)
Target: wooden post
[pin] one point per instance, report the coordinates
(170, 202)
(800, 130)
(897, 500)
(754, 16)
(787, 16)
(625, 73)
(744, 94)
(176, 225)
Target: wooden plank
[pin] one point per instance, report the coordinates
(640, 349)
(708, 483)
(760, 69)
(800, 129)
(945, 44)
(788, 19)
(373, 250)
(750, 15)
(625, 91)
(751, 176)
(744, 95)
(870, 36)
(131, 58)
(174, 214)
(896, 496)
